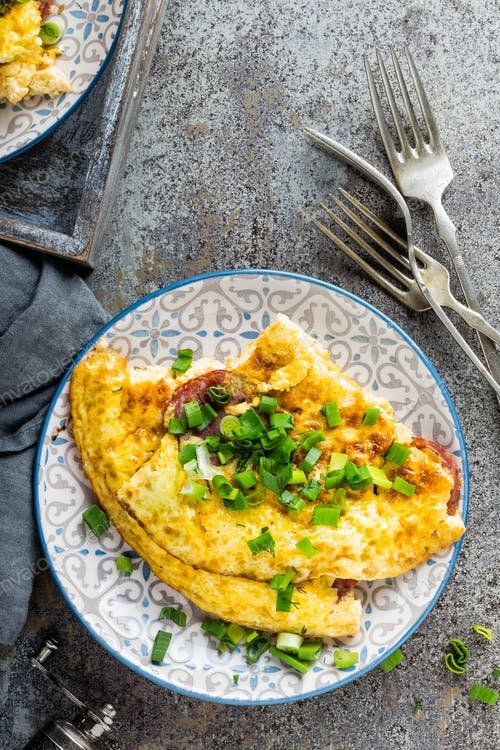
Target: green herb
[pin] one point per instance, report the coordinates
(187, 453)
(459, 650)
(262, 543)
(214, 627)
(309, 439)
(452, 665)
(332, 414)
(96, 519)
(193, 413)
(256, 647)
(177, 426)
(310, 650)
(284, 598)
(417, 705)
(311, 459)
(343, 659)
(357, 477)
(481, 630)
(236, 678)
(280, 581)
(218, 394)
(371, 415)
(338, 461)
(160, 646)
(268, 404)
(298, 477)
(334, 479)
(312, 490)
(397, 453)
(50, 33)
(483, 694)
(283, 419)
(325, 515)
(124, 565)
(292, 502)
(289, 642)
(380, 478)
(307, 547)
(405, 488)
(246, 479)
(183, 361)
(228, 425)
(392, 661)
(290, 660)
(176, 615)
(208, 415)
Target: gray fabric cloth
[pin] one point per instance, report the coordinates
(46, 316)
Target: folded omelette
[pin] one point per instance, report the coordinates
(262, 489)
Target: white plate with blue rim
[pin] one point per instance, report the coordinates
(217, 315)
(90, 30)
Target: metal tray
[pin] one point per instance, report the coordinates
(57, 196)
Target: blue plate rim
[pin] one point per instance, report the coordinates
(80, 99)
(465, 479)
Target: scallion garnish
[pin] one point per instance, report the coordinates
(451, 664)
(282, 419)
(310, 650)
(312, 490)
(256, 647)
(236, 679)
(340, 499)
(187, 453)
(96, 519)
(332, 414)
(276, 482)
(397, 453)
(483, 694)
(343, 659)
(481, 630)
(358, 477)
(280, 581)
(194, 491)
(292, 502)
(290, 660)
(183, 361)
(262, 543)
(222, 486)
(246, 479)
(212, 442)
(402, 486)
(217, 628)
(176, 615)
(310, 439)
(124, 565)
(307, 548)
(334, 479)
(235, 633)
(380, 478)
(177, 426)
(284, 599)
(289, 642)
(326, 515)
(298, 477)
(160, 646)
(218, 394)
(310, 460)
(282, 453)
(268, 404)
(338, 461)
(273, 438)
(193, 413)
(254, 425)
(371, 415)
(208, 415)
(392, 661)
(459, 649)
(225, 453)
(228, 425)
(236, 500)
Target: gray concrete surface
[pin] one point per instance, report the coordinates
(219, 176)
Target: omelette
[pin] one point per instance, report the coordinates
(26, 64)
(265, 487)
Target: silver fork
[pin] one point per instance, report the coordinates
(423, 171)
(435, 275)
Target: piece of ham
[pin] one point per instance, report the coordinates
(450, 464)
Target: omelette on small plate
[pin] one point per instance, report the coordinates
(264, 488)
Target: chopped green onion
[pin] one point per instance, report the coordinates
(343, 659)
(256, 647)
(225, 453)
(460, 650)
(325, 515)
(187, 453)
(236, 679)
(334, 479)
(208, 415)
(452, 665)
(380, 478)
(194, 490)
(235, 633)
(273, 438)
(262, 543)
(312, 490)
(275, 482)
(397, 453)
(284, 598)
(205, 467)
(417, 705)
(289, 660)
(50, 33)
(281, 580)
(256, 497)
(282, 453)
(338, 461)
(96, 519)
(176, 615)
(392, 661)
(307, 548)
(218, 394)
(222, 486)
(160, 646)
(236, 500)
(483, 694)
(289, 642)
(311, 459)
(405, 488)
(193, 413)
(228, 425)
(310, 439)
(246, 479)
(268, 404)
(212, 442)
(495, 673)
(177, 426)
(252, 635)
(340, 499)
(332, 414)
(183, 361)
(283, 419)
(371, 415)
(481, 630)
(358, 477)
(217, 628)
(298, 477)
(292, 502)
(124, 565)
(254, 424)
(310, 650)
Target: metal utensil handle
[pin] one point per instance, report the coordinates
(328, 144)
(448, 233)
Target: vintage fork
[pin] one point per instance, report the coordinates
(435, 275)
(423, 171)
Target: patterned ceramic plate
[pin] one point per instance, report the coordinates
(217, 315)
(90, 32)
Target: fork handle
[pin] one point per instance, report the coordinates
(448, 233)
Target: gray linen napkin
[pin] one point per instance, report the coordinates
(46, 316)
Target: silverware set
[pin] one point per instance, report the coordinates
(422, 172)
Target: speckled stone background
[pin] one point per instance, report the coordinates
(219, 176)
